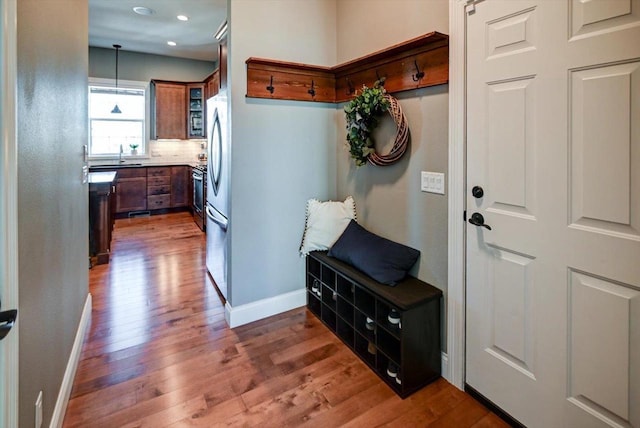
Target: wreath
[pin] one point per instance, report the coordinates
(362, 114)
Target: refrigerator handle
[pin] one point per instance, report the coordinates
(222, 222)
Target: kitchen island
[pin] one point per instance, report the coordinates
(101, 214)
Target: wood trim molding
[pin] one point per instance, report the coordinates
(72, 365)
(254, 311)
(9, 360)
(400, 65)
(456, 191)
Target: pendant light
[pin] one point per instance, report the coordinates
(116, 109)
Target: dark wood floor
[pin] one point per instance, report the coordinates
(159, 354)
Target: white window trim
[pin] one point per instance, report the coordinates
(130, 84)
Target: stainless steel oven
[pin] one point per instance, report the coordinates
(199, 195)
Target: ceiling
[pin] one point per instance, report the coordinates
(114, 22)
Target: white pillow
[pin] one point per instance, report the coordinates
(325, 223)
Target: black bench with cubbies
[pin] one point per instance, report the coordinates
(394, 330)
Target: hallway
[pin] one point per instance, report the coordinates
(159, 353)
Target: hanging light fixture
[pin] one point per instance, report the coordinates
(116, 109)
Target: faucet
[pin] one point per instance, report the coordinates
(120, 160)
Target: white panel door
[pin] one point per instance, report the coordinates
(553, 140)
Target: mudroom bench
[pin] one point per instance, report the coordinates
(394, 330)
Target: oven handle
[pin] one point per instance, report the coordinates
(222, 222)
(197, 177)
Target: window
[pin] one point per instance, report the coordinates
(109, 131)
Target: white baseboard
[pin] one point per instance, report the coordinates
(445, 367)
(254, 311)
(72, 365)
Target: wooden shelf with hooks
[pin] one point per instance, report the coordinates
(416, 63)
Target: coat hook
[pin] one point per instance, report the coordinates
(351, 89)
(270, 87)
(380, 80)
(312, 91)
(419, 75)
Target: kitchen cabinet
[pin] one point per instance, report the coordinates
(159, 187)
(195, 110)
(168, 110)
(101, 210)
(151, 188)
(180, 186)
(131, 190)
(212, 84)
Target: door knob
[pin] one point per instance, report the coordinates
(477, 219)
(7, 319)
(477, 192)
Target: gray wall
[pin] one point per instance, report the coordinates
(52, 202)
(282, 152)
(143, 67)
(388, 199)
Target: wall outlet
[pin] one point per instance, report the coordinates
(432, 182)
(39, 410)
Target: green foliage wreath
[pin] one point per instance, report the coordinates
(362, 114)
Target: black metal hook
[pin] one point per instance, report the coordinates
(270, 88)
(351, 89)
(312, 91)
(380, 80)
(419, 75)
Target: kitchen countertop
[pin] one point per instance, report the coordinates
(142, 165)
(102, 177)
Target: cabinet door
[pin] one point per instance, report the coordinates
(213, 84)
(170, 110)
(180, 179)
(195, 110)
(131, 194)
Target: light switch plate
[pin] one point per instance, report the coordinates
(432, 182)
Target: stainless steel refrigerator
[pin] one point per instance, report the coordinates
(217, 206)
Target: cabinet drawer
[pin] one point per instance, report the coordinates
(156, 202)
(157, 171)
(158, 180)
(158, 190)
(131, 172)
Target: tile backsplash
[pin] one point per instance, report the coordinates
(165, 151)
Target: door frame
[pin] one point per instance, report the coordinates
(9, 206)
(456, 304)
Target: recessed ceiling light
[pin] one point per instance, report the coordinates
(182, 17)
(141, 10)
(170, 43)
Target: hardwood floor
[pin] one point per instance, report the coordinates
(159, 354)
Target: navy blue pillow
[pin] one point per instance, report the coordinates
(383, 260)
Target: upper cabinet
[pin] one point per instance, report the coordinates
(177, 110)
(168, 110)
(212, 84)
(195, 110)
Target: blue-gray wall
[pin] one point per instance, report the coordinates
(282, 152)
(143, 67)
(52, 201)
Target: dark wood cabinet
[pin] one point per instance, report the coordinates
(196, 110)
(101, 214)
(131, 190)
(169, 110)
(180, 186)
(212, 84)
(394, 330)
(159, 187)
(151, 188)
